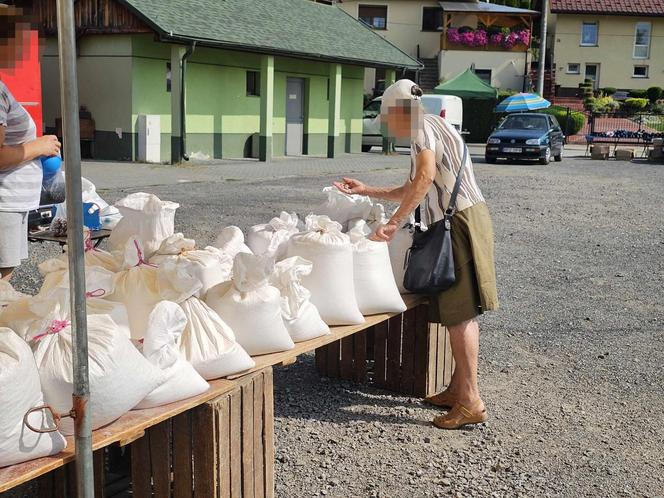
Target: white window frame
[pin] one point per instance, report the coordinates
(578, 68)
(596, 44)
(371, 25)
(647, 46)
(647, 75)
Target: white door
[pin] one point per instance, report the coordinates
(294, 116)
(592, 73)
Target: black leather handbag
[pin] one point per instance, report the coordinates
(430, 260)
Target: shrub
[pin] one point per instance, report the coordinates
(604, 105)
(634, 104)
(657, 109)
(525, 4)
(654, 93)
(576, 119)
(609, 90)
(638, 94)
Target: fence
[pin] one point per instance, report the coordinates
(618, 127)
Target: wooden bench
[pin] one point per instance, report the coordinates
(221, 443)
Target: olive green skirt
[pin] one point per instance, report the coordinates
(474, 291)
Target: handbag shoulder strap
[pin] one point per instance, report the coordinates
(457, 184)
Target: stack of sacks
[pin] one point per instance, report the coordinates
(375, 288)
(231, 241)
(141, 285)
(398, 247)
(252, 307)
(342, 207)
(21, 392)
(302, 319)
(120, 377)
(209, 344)
(209, 266)
(145, 218)
(165, 326)
(331, 280)
(270, 239)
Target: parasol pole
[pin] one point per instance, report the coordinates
(76, 251)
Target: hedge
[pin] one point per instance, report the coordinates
(633, 104)
(576, 121)
(654, 93)
(638, 94)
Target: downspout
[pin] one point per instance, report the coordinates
(183, 101)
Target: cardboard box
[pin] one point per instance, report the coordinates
(599, 151)
(624, 154)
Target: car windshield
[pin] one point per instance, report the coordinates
(524, 122)
(372, 109)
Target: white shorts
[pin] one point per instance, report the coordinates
(13, 239)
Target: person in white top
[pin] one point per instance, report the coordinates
(20, 150)
(437, 151)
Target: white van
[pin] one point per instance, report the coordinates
(449, 107)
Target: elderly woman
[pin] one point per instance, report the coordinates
(437, 151)
(20, 149)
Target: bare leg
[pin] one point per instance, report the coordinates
(6, 273)
(465, 342)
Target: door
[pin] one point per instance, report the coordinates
(294, 116)
(592, 73)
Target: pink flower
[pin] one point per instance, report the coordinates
(468, 38)
(524, 37)
(453, 35)
(481, 38)
(496, 39)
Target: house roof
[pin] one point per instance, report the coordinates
(485, 8)
(614, 7)
(297, 28)
(467, 84)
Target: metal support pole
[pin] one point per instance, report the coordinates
(72, 153)
(542, 51)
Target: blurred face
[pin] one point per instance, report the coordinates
(13, 34)
(403, 120)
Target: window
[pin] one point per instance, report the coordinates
(432, 19)
(484, 75)
(253, 83)
(573, 68)
(642, 40)
(589, 34)
(374, 15)
(640, 72)
(169, 77)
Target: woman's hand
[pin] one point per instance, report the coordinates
(351, 186)
(48, 146)
(384, 233)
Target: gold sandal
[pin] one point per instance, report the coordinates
(443, 400)
(461, 415)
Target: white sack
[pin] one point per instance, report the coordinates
(89, 194)
(252, 307)
(209, 266)
(270, 239)
(375, 288)
(209, 344)
(141, 286)
(20, 392)
(146, 218)
(231, 241)
(8, 294)
(120, 377)
(165, 326)
(342, 207)
(302, 319)
(331, 280)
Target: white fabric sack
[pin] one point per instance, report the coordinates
(302, 319)
(270, 239)
(89, 194)
(146, 218)
(252, 307)
(209, 266)
(141, 286)
(331, 280)
(375, 288)
(165, 326)
(342, 207)
(120, 376)
(209, 344)
(8, 294)
(231, 241)
(20, 392)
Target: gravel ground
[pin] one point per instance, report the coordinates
(571, 367)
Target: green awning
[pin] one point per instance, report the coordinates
(468, 85)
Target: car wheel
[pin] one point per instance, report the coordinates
(490, 160)
(547, 156)
(559, 157)
(366, 148)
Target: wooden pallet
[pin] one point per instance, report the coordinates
(223, 448)
(405, 354)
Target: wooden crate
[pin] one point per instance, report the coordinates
(405, 354)
(221, 449)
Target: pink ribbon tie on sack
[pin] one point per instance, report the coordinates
(88, 244)
(96, 293)
(55, 327)
(141, 261)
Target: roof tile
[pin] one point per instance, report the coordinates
(613, 7)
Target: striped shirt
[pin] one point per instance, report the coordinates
(20, 187)
(447, 145)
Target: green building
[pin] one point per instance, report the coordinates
(226, 78)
